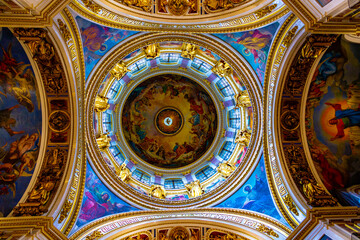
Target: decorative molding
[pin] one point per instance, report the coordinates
(242, 23)
(336, 18)
(277, 54)
(258, 223)
(30, 228)
(34, 15)
(345, 218)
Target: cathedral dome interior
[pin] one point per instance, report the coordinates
(180, 119)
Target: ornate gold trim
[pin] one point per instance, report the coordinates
(78, 180)
(12, 227)
(112, 19)
(257, 222)
(276, 54)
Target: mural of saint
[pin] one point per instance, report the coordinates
(97, 40)
(253, 45)
(333, 116)
(19, 105)
(98, 201)
(254, 195)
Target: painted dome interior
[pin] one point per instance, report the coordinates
(169, 121)
(167, 114)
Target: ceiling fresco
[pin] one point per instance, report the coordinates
(254, 45)
(254, 195)
(169, 121)
(178, 119)
(98, 201)
(19, 105)
(333, 116)
(97, 40)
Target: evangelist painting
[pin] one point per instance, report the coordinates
(254, 195)
(253, 45)
(98, 40)
(333, 116)
(19, 106)
(98, 200)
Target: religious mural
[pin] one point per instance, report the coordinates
(254, 195)
(333, 116)
(253, 45)
(169, 121)
(19, 105)
(98, 40)
(98, 200)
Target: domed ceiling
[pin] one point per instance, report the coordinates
(168, 119)
(198, 115)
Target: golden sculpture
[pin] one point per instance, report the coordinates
(178, 7)
(65, 211)
(194, 189)
(194, 235)
(218, 5)
(225, 169)
(222, 68)
(311, 190)
(152, 50)
(119, 70)
(242, 99)
(157, 191)
(123, 172)
(143, 4)
(101, 104)
(265, 11)
(162, 236)
(290, 204)
(189, 50)
(64, 30)
(103, 141)
(42, 193)
(179, 233)
(243, 137)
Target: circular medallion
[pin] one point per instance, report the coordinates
(59, 121)
(168, 121)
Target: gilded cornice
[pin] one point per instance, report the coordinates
(247, 77)
(276, 183)
(112, 19)
(29, 17)
(341, 216)
(13, 227)
(345, 23)
(258, 223)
